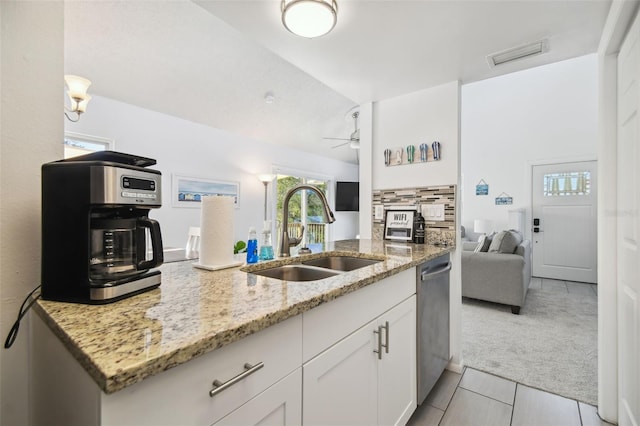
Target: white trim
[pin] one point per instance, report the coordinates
(110, 143)
(455, 367)
(621, 14)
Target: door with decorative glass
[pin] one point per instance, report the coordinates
(305, 210)
(564, 221)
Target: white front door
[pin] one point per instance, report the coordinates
(628, 221)
(564, 221)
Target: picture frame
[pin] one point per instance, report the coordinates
(398, 225)
(482, 188)
(187, 191)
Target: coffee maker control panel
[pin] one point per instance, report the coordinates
(121, 185)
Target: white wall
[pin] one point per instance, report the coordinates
(549, 113)
(189, 149)
(425, 116)
(31, 121)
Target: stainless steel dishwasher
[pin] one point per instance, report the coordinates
(433, 322)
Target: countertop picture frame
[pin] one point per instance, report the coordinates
(187, 191)
(398, 225)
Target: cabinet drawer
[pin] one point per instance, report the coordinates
(326, 324)
(181, 395)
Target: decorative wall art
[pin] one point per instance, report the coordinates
(482, 188)
(398, 225)
(397, 156)
(504, 199)
(189, 191)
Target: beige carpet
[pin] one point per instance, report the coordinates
(551, 345)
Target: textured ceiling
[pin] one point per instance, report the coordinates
(213, 62)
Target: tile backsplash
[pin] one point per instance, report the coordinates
(438, 232)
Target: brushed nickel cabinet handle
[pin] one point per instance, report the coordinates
(219, 386)
(386, 336)
(379, 332)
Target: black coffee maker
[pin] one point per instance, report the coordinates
(96, 231)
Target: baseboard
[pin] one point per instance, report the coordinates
(455, 367)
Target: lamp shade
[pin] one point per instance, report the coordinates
(266, 178)
(77, 86)
(82, 105)
(482, 226)
(309, 18)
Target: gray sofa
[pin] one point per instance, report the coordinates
(497, 277)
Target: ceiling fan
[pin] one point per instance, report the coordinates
(354, 139)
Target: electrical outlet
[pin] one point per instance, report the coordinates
(378, 212)
(433, 212)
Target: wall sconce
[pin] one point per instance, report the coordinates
(309, 18)
(265, 179)
(77, 94)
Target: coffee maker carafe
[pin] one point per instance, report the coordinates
(98, 243)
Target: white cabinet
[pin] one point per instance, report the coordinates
(280, 405)
(179, 396)
(397, 388)
(368, 377)
(331, 347)
(340, 385)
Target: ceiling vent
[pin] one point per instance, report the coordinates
(519, 52)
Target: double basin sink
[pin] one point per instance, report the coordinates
(316, 269)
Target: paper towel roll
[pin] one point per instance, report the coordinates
(216, 231)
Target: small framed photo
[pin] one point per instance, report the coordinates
(188, 191)
(398, 225)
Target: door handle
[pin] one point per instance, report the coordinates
(381, 345)
(379, 333)
(386, 336)
(425, 275)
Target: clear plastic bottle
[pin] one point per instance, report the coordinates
(252, 246)
(266, 249)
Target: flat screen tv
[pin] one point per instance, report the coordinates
(347, 196)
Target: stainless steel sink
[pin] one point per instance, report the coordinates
(297, 273)
(341, 263)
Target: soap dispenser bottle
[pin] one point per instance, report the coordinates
(266, 249)
(252, 246)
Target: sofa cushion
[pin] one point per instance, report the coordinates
(505, 242)
(484, 242)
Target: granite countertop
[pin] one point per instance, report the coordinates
(195, 311)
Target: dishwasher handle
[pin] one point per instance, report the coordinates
(425, 275)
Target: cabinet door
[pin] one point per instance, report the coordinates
(279, 405)
(340, 385)
(397, 387)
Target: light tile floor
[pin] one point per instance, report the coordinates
(476, 398)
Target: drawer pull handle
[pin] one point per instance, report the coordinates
(219, 386)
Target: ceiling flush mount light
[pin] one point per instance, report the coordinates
(519, 52)
(309, 18)
(77, 94)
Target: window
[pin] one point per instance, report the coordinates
(563, 184)
(305, 209)
(76, 144)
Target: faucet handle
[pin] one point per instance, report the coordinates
(295, 241)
